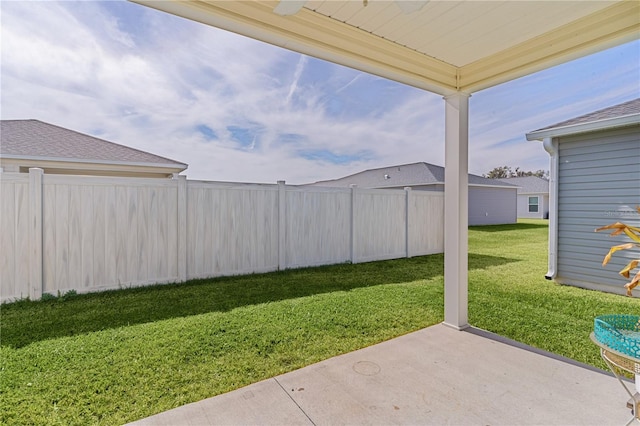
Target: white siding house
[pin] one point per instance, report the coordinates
(491, 202)
(533, 196)
(32, 143)
(595, 174)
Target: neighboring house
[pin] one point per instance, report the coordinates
(491, 201)
(56, 150)
(533, 196)
(595, 181)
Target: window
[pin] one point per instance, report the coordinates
(533, 204)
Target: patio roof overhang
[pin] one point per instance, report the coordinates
(446, 47)
(452, 48)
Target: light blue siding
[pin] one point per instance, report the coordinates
(492, 206)
(598, 184)
(487, 205)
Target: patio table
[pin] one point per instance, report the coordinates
(618, 363)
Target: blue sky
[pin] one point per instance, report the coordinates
(236, 109)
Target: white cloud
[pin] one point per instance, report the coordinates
(146, 79)
(294, 85)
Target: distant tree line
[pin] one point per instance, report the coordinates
(508, 172)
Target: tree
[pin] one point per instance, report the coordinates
(508, 172)
(499, 173)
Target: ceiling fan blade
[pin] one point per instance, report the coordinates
(410, 6)
(289, 7)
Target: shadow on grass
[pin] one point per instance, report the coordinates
(25, 322)
(510, 227)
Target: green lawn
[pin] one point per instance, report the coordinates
(118, 356)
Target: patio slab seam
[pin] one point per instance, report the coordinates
(293, 400)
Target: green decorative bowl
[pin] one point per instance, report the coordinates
(619, 332)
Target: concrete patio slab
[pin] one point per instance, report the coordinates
(434, 376)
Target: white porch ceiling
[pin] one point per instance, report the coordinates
(445, 47)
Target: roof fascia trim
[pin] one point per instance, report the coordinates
(411, 185)
(313, 34)
(486, 185)
(168, 166)
(615, 25)
(592, 126)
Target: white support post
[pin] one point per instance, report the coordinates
(35, 233)
(182, 228)
(282, 223)
(456, 211)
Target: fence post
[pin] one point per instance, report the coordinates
(407, 219)
(35, 233)
(182, 228)
(282, 223)
(352, 223)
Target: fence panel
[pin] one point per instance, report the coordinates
(426, 224)
(14, 244)
(380, 224)
(103, 232)
(318, 222)
(231, 229)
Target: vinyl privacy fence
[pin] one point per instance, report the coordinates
(61, 233)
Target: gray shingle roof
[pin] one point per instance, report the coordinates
(403, 175)
(35, 139)
(529, 184)
(620, 110)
